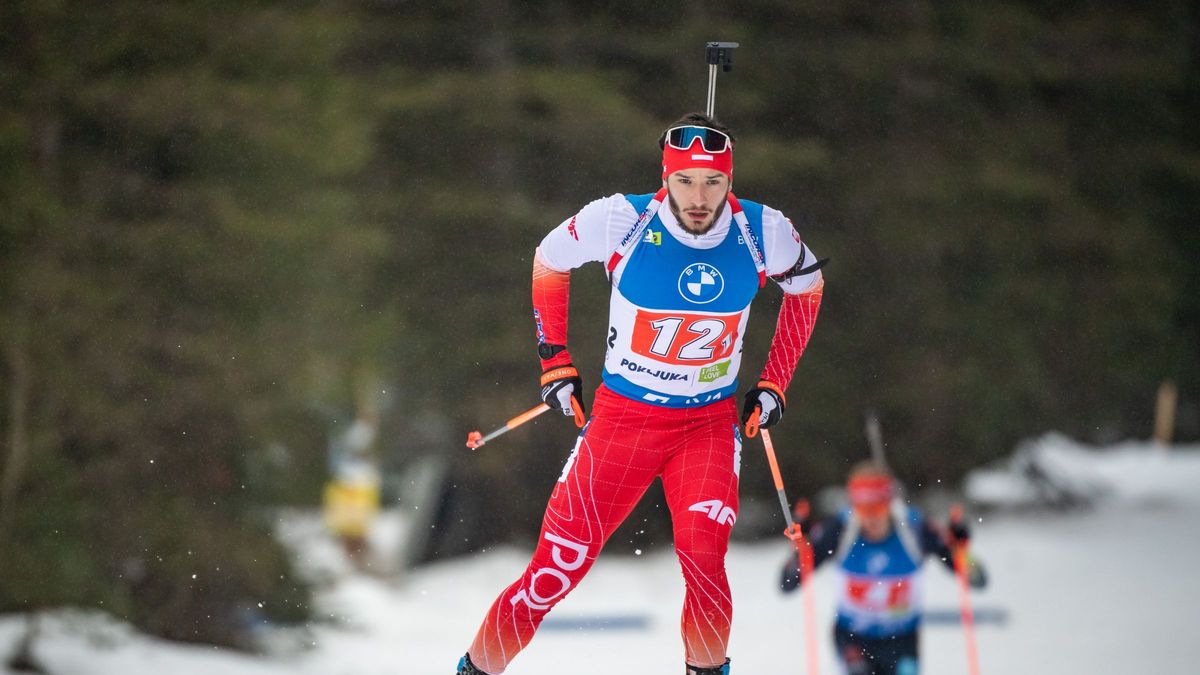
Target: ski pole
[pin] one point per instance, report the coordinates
(803, 548)
(476, 439)
(783, 503)
(805, 551)
(717, 54)
(959, 551)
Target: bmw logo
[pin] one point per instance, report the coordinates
(701, 283)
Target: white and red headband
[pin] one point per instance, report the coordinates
(696, 157)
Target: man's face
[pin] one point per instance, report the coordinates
(696, 197)
(876, 521)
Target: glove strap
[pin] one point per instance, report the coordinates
(772, 387)
(556, 374)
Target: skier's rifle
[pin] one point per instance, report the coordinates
(958, 550)
(717, 54)
(476, 439)
(874, 432)
(875, 438)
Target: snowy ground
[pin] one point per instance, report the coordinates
(1111, 589)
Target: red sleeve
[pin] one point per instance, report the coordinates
(795, 325)
(551, 293)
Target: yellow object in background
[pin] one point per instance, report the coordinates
(350, 507)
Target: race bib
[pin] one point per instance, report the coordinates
(682, 339)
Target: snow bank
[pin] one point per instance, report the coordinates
(1102, 590)
(1055, 471)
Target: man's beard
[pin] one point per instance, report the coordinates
(685, 223)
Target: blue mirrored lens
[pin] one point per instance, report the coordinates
(683, 137)
(689, 135)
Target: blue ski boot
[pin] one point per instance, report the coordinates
(465, 667)
(715, 670)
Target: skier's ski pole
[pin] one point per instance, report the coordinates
(805, 551)
(959, 552)
(476, 439)
(803, 548)
(783, 502)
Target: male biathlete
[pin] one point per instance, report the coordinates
(878, 546)
(684, 263)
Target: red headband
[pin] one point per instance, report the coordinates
(696, 158)
(865, 490)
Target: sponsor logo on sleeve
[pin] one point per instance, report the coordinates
(537, 320)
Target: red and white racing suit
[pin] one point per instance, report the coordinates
(694, 446)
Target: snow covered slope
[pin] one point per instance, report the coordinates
(1109, 589)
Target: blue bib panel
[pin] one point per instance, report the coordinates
(881, 586)
(677, 315)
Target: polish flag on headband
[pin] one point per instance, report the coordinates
(869, 490)
(696, 158)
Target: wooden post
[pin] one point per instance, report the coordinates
(1164, 413)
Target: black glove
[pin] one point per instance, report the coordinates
(976, 575)
(561, 385)
(802, 514)
(791, 579)
(959, 532)
(769, 398)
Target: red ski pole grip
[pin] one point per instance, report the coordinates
(752, 423)
(580, 417)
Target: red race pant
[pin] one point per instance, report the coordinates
(697, 452)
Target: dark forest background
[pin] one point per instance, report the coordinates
(221, 222)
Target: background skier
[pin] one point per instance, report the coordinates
(879, 545)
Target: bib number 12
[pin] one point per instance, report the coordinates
(684, 339)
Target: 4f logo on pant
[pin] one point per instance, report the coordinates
(716, 510)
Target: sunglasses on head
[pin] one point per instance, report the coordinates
(682, 138)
